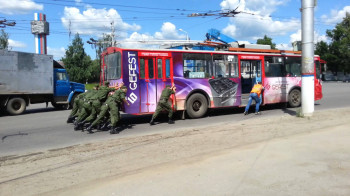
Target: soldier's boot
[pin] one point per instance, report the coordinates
(79, 125)
(70, 119)
(89, 129)
(114, 130)
(104, 127)
(85, 126)
(76, 126)
(151, 122)
(171, 121)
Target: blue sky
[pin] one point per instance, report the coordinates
(144, 20)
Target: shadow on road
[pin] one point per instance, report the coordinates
(32, 111)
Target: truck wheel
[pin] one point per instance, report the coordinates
(16, 106)
(196, 106)
(294, 98)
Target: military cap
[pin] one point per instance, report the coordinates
(167, 86)
(106, 83)
(96, 85)
(123, 87)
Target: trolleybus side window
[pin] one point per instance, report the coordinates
(113, 66)
(197, 65)
(167, 68)
(225, 65)
(318, 69)
(142, 68)
(274, 66)
(150, 69)
(293, 66)
(160, 68)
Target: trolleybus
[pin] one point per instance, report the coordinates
(205, 79)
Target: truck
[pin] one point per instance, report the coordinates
(28, 78)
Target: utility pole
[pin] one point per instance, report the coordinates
(112, 35)
(307, 54)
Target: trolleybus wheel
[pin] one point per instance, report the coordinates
(16, 106)
(294, 98)
(196, 106)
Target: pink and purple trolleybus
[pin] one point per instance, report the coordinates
(205, 79)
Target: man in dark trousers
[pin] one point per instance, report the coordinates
(164, 105)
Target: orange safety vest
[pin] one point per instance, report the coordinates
(257, 88)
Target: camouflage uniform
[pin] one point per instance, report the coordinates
(76, 106)
(164, 105)
(86, 109)
(97, 101)
(111, 105)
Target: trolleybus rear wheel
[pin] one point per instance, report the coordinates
(196, 105)
(294, 98)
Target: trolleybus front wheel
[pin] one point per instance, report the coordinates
(196, 105)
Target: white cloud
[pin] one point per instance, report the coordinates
(168, 31)
(261, 7)
(19, 6)
(16, 44)
(57, 53)
(284, 46)
(336, 16)
(317, 37)
(95, 22)
(252, 27)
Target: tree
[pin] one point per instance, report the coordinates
(4, 40)
(266, 41)
(338, 57)
(78, 64)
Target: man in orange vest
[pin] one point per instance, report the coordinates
(255, 94)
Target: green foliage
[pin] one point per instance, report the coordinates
(79, 65)
(337, 52)
(266, 41)
(4, 40)
(90, 86)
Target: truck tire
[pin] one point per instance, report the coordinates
(196, 105)
(294, 98)
(16, 105)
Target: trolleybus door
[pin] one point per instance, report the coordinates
(163, 74)
(156, 75)
(148, 90)
(250, 75)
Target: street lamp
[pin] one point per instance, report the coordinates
(187, 38)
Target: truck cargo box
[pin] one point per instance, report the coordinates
(25, 73)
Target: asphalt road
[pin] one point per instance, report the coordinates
(43, 128)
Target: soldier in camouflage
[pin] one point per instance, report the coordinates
(78, 104)
(111, 105)
(92, 106)
(164, 105)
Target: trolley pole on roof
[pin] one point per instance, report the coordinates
(307, 54)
